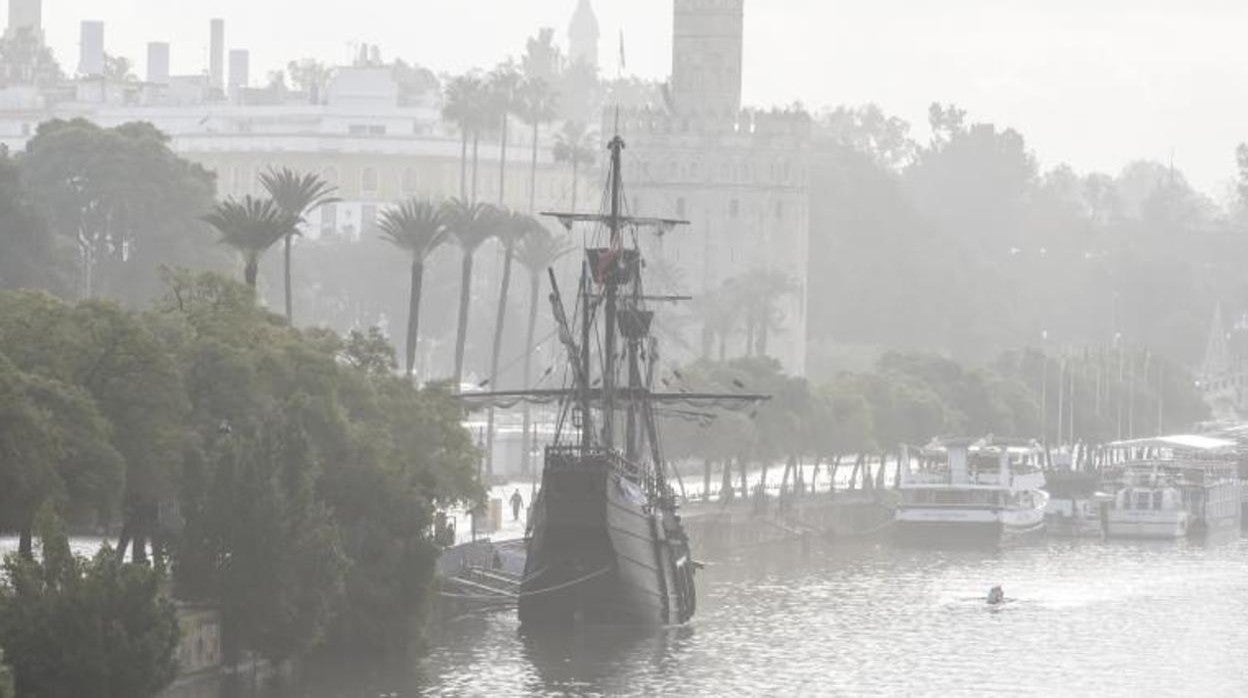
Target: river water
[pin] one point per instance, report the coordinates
(1084, 617)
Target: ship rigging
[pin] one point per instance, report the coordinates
(605, 543)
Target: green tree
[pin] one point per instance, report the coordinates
(503, 84)
(26, 60)
(472, 225)
(536, 105)
(29, 450)
(279, 565)
(466, 104)
(542, 60)
(30, 256)
(418, 228)
(123, 200)
(512, 228)
(536, 252)
(575, 146)
(251, 226)
(758, 293)
(297, 195)
(311, 77)
(72, 627)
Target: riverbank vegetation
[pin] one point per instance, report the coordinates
(289, 476)
(909, 398)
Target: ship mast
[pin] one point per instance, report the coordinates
(625, 318)
(610, 278)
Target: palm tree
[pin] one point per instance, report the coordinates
(536, 106)
(759, 292)
(460, 106)
(536, 253)
(250, 226)
(512, 229)
(417, 228)
(471, 224)
(574, 145)
(297, 195)
(504, 83)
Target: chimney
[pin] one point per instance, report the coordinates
(240, 72)
(158, 63)
(216, 56)
(26, 15)
(91, 63)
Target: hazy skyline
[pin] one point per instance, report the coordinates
(1094, 86)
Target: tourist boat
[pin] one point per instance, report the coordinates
(1077, 508)
(1172, 486)
(1148, 505)
(605, 544)
(971, 489)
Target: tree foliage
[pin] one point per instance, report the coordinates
(123, 200)
(76, 627)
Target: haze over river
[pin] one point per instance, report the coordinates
(1084, 617)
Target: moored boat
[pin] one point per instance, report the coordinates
(967, 490)
(1077, 508)
(605, 544)
(1172, 486)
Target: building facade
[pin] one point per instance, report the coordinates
(740, 176)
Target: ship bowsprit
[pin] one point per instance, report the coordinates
(603, 548)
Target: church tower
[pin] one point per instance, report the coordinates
(707, 41)
(583, 36)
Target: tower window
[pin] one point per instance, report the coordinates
(734, 208)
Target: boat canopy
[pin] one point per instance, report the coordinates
(1190, 442)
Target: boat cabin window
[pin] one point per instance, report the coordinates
(1142, 500)
(1157, 499)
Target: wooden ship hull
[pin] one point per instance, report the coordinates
(599, 552)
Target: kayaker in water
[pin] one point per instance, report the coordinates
(996, 595)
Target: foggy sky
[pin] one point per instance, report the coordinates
(1095, 84)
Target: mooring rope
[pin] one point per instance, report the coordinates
(526, 594)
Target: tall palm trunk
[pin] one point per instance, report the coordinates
(463, 165)
(290, 319)
(502, 162)
(499, 321)
(535, 288)
(251, 268)
(533, 173)
(461, 333)
(476, 142)
(413, 313)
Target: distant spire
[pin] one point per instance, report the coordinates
(583, 35)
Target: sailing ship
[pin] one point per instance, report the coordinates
(605, 543)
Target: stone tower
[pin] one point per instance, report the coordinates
(583, 36)
(707, 46)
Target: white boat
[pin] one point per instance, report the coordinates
(1077, 508)
(1148, 506)
(972, 490)
(1172, 486)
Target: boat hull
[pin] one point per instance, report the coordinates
(1152, 525)
(938, 526)
(600, 552)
